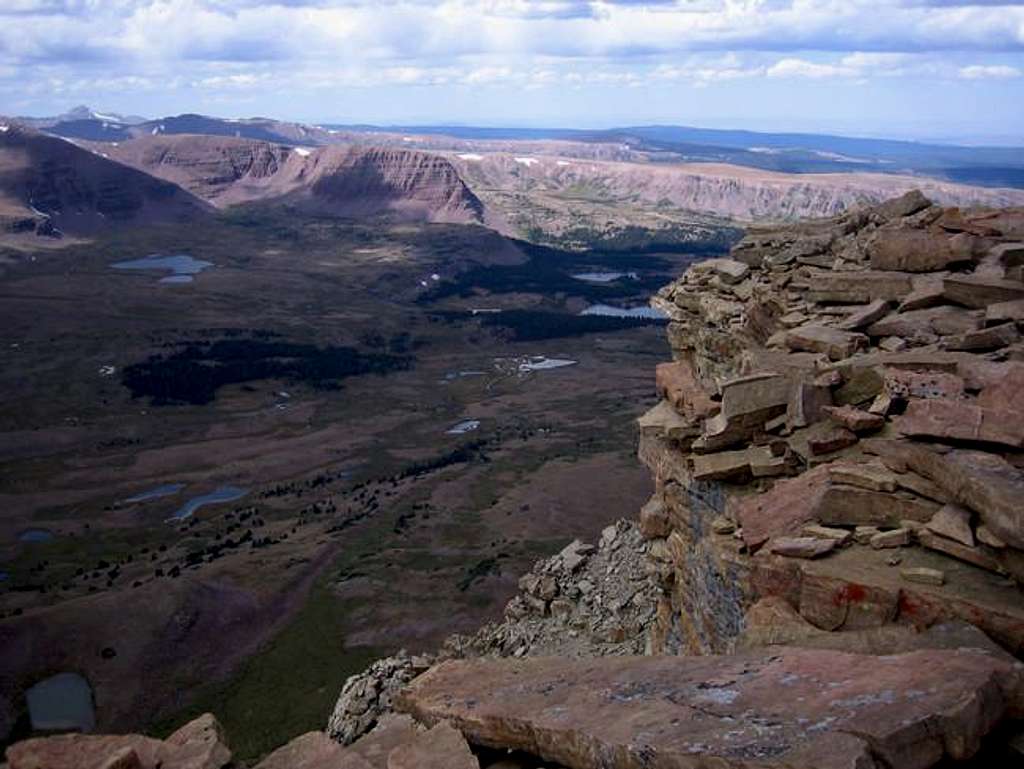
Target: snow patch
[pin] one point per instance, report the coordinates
(106, 118)
(302, 152)
(407, 138)
(562, 163)
(4, 129)
(526, 161)
(470, 156)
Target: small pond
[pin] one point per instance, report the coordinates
(605, 277)
(540, 363)
(620, 312)
(180, 266)
(35, 535)
(464, 427)
(166, 490)
(221, 494)
(61, 703)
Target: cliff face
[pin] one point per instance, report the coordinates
(348, 181)
(841, 433)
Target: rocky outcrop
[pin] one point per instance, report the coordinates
(586, 601)
(200, 744)
(783, 708)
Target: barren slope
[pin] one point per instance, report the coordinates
(43, 178)
(561, 185)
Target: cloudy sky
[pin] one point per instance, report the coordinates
(936, 69)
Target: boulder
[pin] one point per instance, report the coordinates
(783, 510)
(833, 342)
(841, 536)
(904, 385)
(906, 204)
(913, 250)
(961, 420)
(981, 291)
(983, 482)
(654, 521)
(392, 730)
(730, 465)
(924, 576)
(730, 271)
(802, 547)
(884, 540)
(953, 522)
(443, 747)
(979, 556)
(874, 477)
(313, 750)
(982, 340)
(747, 403)
(930, 322)
(807, 402)
(866, 315)
(666, 422)
(855, 419)
(1000, 312)
(677, 383)
(1006, 392)
(851, 506)
(200, 744)
(782, 707)
(829, 440)
(197, 745)
(858, 287)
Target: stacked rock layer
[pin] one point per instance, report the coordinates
(842, 429)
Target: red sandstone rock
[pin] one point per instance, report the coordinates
(783, 708)
(985, 483)
(926, 384)
(984, 339)
(677, 384)
(855, 419)
(913, 250)
(851, 506)
(858, 287)
(960, 420)
(197, 745)
(781, 511)
(829, 441)
(833, 342)
(313, 750)
(980, 291)
(866, 315)
(802, 547)
(953, 522)
(443, 747)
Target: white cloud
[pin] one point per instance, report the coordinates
(995, 71)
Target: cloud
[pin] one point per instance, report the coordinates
(996, 71)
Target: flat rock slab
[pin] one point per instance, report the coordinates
(963, 421)
(833, 342)
(981, 291)
(786, 707)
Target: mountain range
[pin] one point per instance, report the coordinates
(85, 170)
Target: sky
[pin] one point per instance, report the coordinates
(946, 70)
